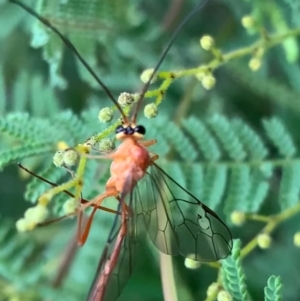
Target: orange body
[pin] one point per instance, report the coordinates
(130, 161)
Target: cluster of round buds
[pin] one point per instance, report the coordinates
(106, 115)
(151, 110)
(264, 241)
(207, 79)
(146, 75)
(125, 99)
(238, 218)
(66, 158)
(32, 217)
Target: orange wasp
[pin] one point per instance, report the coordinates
(149, 200)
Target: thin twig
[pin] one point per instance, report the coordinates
(167, 277)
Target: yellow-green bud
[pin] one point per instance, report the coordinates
(297, 239)
(264, 241)
(36, 214)
(224, 296)
(61, 145)
(208, 81)
(192, 264)
(207, 42)
(24, 225)
(238, 218)
(70, 157)
(126, 99)
(248, 22)
(41, 213)
(58, 160)
(70, 206)
(145, 76)
(106, 115)
(151, 110)
(255, 63)
(212, 289)
(200, 76)
(106, 145)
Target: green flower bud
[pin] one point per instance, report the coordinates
(36, 214)
(212, 289)
(207, 42)
(264, 241)
(224, 296)
(58, 160)
(106, 115)
(106, 145)
(255, 63)
(248, 22)
(208, 81)
(297, 239)
(151, 110)
(70, 206)
(70, 157)
(192, 264)
(145, 76)
(24, 225)
(126, 99)
(238, 218)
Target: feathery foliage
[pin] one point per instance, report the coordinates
(273, 292)
(233, 275)
(229, 136)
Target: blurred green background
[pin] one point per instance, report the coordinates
(120, 39)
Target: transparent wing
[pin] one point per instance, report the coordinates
(111, 276)
(178, 223)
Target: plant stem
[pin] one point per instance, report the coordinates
(167, 277)
(274, 221)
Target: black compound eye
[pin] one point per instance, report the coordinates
(119, 129)
(129, 130)
(140, 130)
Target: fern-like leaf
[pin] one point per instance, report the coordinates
(205, 141)
(214, 184)
(253, 144)
(290, 185)
(280, 137)
(273, 291)
(233, 275)
(239, 186)
(223, 130)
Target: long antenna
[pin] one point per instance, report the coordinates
(70, 45)
(165, 52)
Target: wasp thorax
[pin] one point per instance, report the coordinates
(125, 130)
